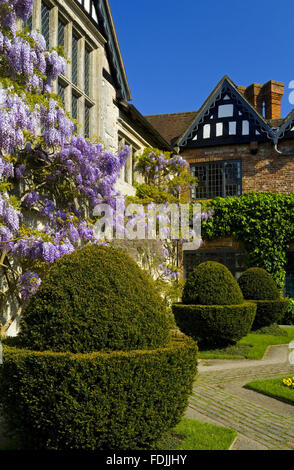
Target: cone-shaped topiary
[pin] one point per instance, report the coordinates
(212, 283)
(213, 310)
(94, 366)
(96, 298)
(258, 284)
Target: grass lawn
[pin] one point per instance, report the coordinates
(252, 346)
(273, 388)
(191, 434)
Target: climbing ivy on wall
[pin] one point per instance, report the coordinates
(264, 222)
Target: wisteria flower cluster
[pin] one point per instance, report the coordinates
(29, 283)
(166, 172)
(55, 178)
(13, 9)
(37, 65)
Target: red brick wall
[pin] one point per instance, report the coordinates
(265, 171)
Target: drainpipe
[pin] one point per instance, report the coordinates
(285, 154)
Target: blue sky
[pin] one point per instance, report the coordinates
(175, 52)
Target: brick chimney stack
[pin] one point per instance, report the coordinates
(273, 93)
(265, 98)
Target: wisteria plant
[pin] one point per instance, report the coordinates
(50, 177)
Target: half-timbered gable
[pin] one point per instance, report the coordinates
(226, 118)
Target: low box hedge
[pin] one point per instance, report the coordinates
(215, 325)
(269, 312)
(116, 400)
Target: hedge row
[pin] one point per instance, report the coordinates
(215, 325)
(116, 400)
(269, 312)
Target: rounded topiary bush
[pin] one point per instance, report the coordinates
(258, 285)
(213, 310)
(94, 366)
(96, 298)
(118, 400)
(211, 283)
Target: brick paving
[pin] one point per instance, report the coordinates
(219, 396)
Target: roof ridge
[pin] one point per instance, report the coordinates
(171, 114)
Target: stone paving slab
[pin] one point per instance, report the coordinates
(260, 424)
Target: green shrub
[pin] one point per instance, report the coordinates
(258, 284)
(215, 325)
(96, 298)
(269, 311)
(117, 400)
(211, 283)
(288, 318)
(76, 389)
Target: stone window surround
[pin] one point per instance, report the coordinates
(127, 171)
(57, 13)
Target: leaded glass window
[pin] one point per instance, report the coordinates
(28, 23)
(87, 71)
(234, 260)
(61, 33)
(74, 59)
(74, 108)
(45, 22)
(87, 121)
(61, 92)
(217, 179)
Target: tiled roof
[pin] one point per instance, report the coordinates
(172, 126)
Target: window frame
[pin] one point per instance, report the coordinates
(87, 70)
(48, 7)
(223, 253)
(74, 63)
(289, 272)
(224, 184)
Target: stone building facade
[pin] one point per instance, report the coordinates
(94, 88)
(235, 143)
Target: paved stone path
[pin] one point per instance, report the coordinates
(261, 422)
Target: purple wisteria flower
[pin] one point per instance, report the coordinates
(29, 284)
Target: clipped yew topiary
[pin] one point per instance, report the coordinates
(94, 366)
(95, 299)
(258, 285)
(213, 310)
(212, 283)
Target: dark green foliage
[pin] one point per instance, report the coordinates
(258, 284)
(211, 283)
(288, 318)
(273, 329)
(269, 311)
(215, 325)
(264, 222)
(117, 400)
(96, 298)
